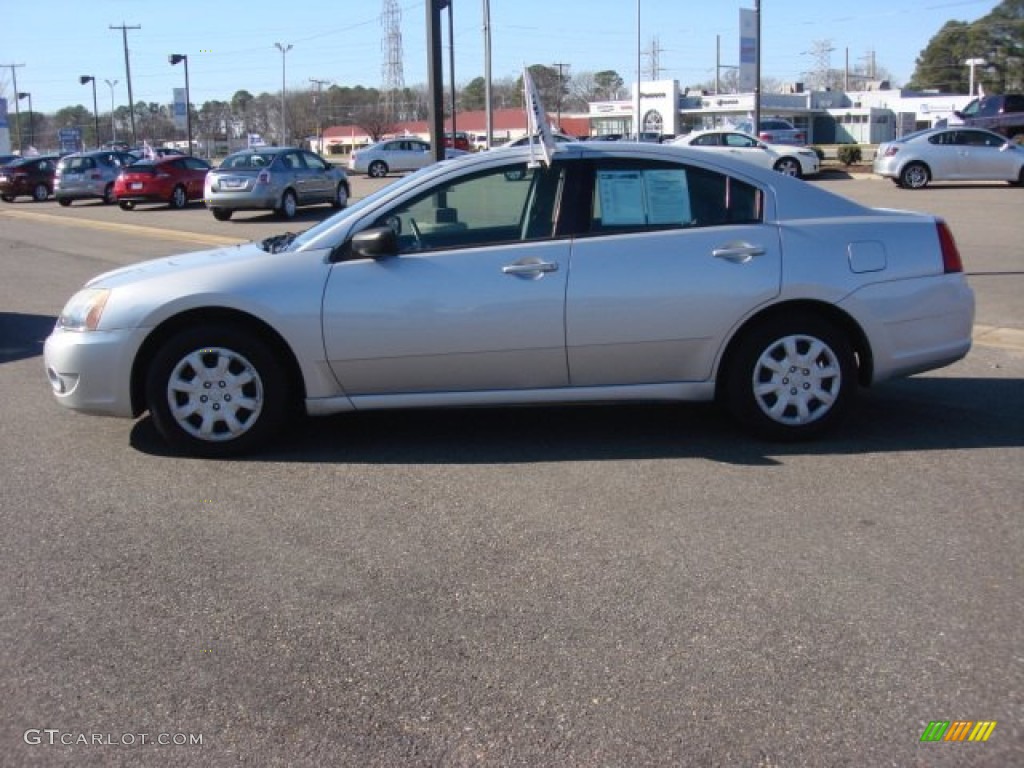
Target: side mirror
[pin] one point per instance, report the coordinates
(374, 243)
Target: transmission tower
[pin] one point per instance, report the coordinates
(393, 79)
(821, 51)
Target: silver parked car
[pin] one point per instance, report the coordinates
(622, 271)
(774, 130)
(276, 179)
(396, 156)
(786, 159)
(954, 153)
(86, 175)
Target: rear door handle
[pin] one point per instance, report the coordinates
(740, 253)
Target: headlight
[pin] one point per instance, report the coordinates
(83, 311)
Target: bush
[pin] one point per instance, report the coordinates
(819, 152)
(849, 154)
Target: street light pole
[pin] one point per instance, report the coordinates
(284, 118)
(31, 128)
(174, 58)
(83, 79)
(128, 75)
(972, 63)
(113, 125)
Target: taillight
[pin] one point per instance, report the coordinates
(799, 137)
(891, 151)
(951, 261)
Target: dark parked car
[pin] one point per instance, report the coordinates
(174, 179)
(32, 176)
(1002, 113)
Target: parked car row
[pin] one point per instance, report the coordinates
(280, 179)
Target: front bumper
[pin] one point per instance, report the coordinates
(90, 371)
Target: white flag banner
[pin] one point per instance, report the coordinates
(537, 119)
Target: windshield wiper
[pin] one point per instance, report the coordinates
(278, 243)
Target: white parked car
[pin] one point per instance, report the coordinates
(396, 156)
(956, 153)
(624, 271)
(784, 158)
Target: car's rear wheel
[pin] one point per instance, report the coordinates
(216, 390)
(340, 197)
(126, 205)
(1020, 178)
(378, 169)
(792, 378)
(40, 193)
(289, 205)
(789, 166)
(915, 176)
(179, 198)
(108, 194)
(64, 201)
(221, 214)
(7, 198)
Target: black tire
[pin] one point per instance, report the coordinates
(789, 166)
(1020, 178)
(179, 198)
(221, 214)
(108, 194)
(792, 378)
(40, 193)
(244, 386)
(340, 196)
(378, 169)
(7, 198)
(126, 205)
(915, 176)
(65, 201)
(289, 205)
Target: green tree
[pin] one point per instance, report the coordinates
(473, 94)
(997, 38)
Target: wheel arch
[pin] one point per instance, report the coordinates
(829, 312)
(212, 315)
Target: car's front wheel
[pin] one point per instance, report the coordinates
(126, 205)
(216, 391)
(340, 196)
(792, 378)
(788, 166)
(109, 198)
(289, 205)
(7, 198)
(915, 176)
(378, 169)
(64, 201)
(221, 214)
(40, 193)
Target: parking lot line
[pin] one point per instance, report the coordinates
(129, 229)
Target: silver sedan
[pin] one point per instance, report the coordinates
(620, 271)
(273, 178)
(956, 153)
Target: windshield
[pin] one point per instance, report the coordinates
(311, 235)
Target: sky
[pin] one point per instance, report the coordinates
(230, 44)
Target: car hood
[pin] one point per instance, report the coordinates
(177, 264)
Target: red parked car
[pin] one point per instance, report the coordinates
(28, 176)
(174, 179)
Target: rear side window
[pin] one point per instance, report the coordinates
(644, 196)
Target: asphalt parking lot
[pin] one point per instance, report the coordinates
(630, 586)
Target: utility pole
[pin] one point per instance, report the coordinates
(451, 61)
(561, 87)
(128, 76)
(17, 108)
(488, 106)
(316, 104)
(283, 48)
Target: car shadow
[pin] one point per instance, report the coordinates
(313, 214)
(923, 414)
(22, 336)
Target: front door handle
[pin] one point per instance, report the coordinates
(532, 267)
(740, 253)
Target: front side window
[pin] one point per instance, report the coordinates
(645, 196)
(505, 205)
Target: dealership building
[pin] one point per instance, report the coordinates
(871, 116)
